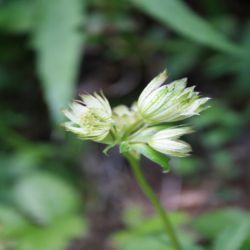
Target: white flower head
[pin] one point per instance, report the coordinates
(141, 128)
(169, 103)
(90, 118)
(167, 141)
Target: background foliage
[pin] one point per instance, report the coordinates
(52, 50)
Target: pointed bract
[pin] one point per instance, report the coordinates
(153, 85)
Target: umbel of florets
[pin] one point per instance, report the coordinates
(90, 118)
(146, 127)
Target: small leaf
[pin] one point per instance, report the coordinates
(152, 154)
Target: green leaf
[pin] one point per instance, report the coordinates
(233, 236)
(11, 221)
(178, 16)
(44, 197)
(17, 16)
(185, 166)
(27, 236)
(212, 223)
(148, 234)
(58, 42)
(152, 154)
(54, 237)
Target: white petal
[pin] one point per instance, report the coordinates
(77, 108)
(97, 102)
(172, 133)
(194, 108)
(179, 85)
(70, 127)
(91, 102)
(153, 100)
(154, 84)
(71, 116)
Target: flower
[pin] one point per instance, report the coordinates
(90, 118)
(167, 142)
(169, 103)
(141, 128)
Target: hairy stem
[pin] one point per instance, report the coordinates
(146, 188)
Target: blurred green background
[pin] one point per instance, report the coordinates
(57, 192)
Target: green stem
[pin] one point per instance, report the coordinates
(145, 186)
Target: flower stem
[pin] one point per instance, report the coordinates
(146, 188)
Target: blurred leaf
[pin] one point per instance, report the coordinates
(180, 63)
(177, 15)
(217, 137)
(11, 221)
(54, 237)
(233, 236)
(26, 236)
(58, 42)
(212, 117)
(154, 223)
(17, 16)
(186, 166)
(183, 55)
(146, 243)
(242, 78)
(225, 23)
(133, 216)
(224, 163)
(212, 223)
(152, 154)
(246, 245)
(149, 234)
(221, 65)
(45, 197)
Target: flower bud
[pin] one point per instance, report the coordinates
(166, 141)
(168, 103)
